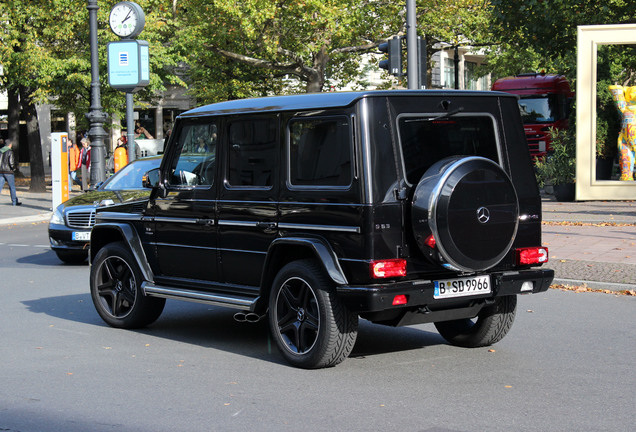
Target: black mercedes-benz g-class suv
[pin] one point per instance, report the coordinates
(399, 207)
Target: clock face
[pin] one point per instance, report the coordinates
(126, 19)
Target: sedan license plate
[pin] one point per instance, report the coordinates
(81, 235)
(462, 287)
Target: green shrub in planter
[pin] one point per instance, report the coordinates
(559, 166)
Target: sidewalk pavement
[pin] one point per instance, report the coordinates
(591, 243)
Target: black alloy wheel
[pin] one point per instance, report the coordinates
(298, 315)
(311, 327)
(116, 289)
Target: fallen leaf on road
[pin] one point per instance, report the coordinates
(579, 288)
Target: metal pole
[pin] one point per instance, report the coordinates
(96, 116)
(411, 45)
(456, 62)
(130, 126)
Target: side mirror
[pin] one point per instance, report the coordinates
(150, 178)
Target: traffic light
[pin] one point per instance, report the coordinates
(393, 47)
(421, 62)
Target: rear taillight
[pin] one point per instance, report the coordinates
(532, 255)
(400, 299)
(388, 268)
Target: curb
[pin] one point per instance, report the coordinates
(43, 217)
(610, 286)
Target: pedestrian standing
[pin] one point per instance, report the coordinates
(7, 170)
(73, 161)
(85, 161)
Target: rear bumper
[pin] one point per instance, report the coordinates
(378, 298)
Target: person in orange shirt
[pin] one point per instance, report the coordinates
(120, 156)
(73, 161)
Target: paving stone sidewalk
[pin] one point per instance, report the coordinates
(592, 243)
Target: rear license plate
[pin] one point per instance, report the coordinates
(462, 287)
(81, 235)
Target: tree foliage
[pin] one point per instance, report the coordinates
(45, 48)
(252, 47)
(542, 35)
(546, 30)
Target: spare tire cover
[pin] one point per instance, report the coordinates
(470, 206)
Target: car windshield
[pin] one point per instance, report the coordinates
(129, 177)
(538, 109)
(428, 139)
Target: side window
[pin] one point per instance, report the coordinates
(252, 145)
(320, 152)
(195, 162)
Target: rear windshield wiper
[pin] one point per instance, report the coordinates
(438, 117)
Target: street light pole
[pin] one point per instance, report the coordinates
(96, 116)
(411, 46)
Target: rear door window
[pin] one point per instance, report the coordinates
(252, 146)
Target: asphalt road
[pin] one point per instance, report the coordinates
(566, 365)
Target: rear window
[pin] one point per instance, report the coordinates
(425, 139)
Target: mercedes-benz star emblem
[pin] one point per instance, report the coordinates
(483, 215)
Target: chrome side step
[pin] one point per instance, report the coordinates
(243, 303)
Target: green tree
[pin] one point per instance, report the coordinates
(546, 30)
(252, 47)
(45, 54)
(542, 35)
(455, 23)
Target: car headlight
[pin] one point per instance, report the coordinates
(57, 217)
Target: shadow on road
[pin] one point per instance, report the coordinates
(214, 327)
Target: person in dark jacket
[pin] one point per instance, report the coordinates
(85, 162)
(7, 169)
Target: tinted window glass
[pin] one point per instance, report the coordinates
(320, 152)
(195, 162)
(538, 109)
(130, 176)
(252, 155)
(425, 141)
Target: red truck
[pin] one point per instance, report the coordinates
(544, 101)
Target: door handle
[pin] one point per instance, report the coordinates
(266, 225)
(206, 222)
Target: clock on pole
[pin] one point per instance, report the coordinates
(128, 59)
(127, 19)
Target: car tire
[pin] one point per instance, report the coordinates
(115, 283)
(72, 257)
(490, 326)
(470, 206)
(311, 326)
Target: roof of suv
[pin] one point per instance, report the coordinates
(308, 101)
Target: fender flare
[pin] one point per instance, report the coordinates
(321, 250)
(102, 234)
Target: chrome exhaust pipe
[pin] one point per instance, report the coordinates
(247, 317)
